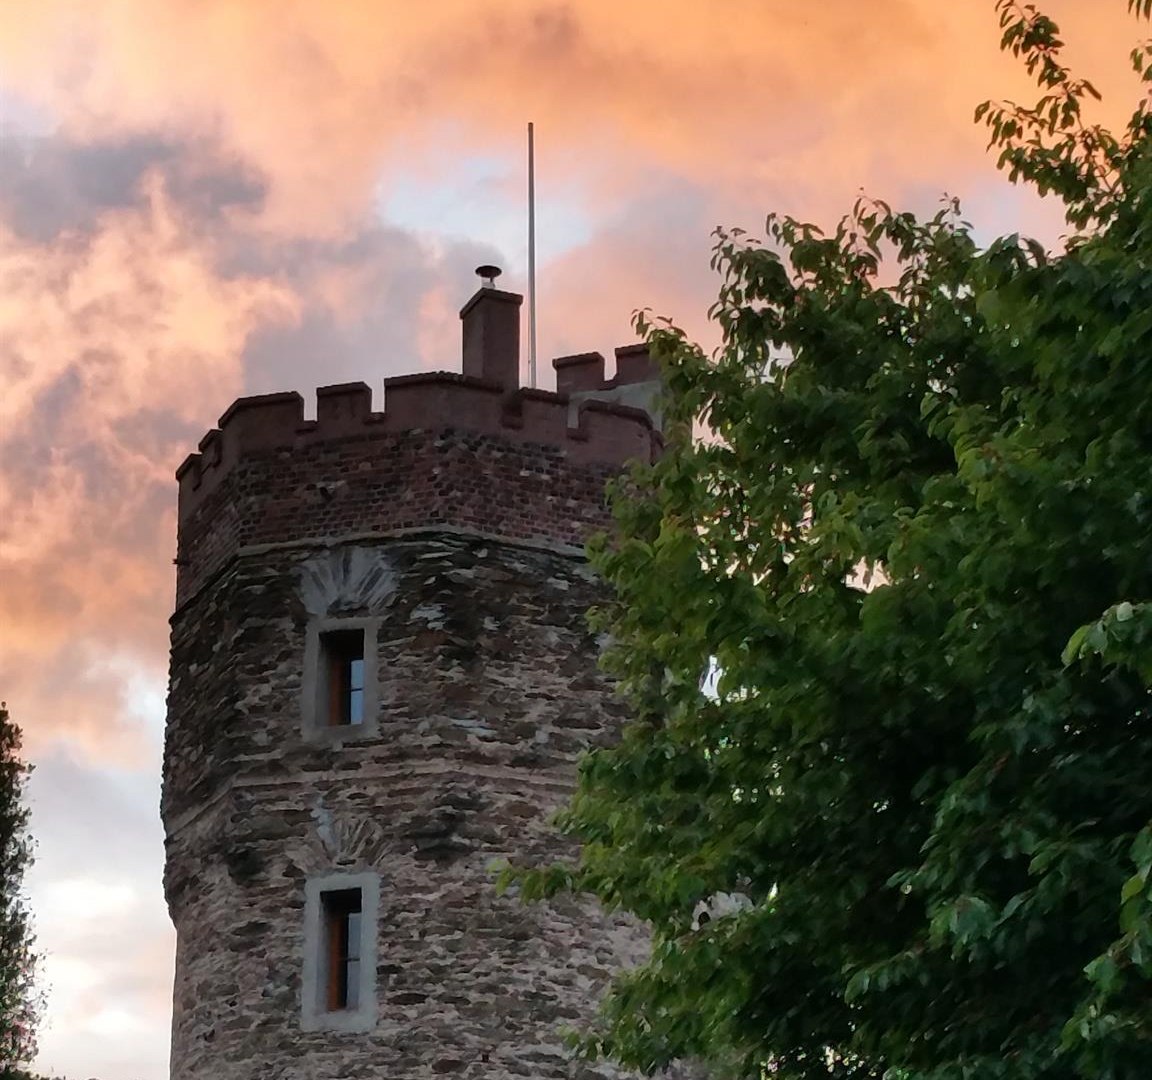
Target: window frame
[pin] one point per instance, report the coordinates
(317, 692)
(342, 913)
(316, 1010)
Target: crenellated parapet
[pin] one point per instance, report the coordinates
(588, 429)
(471, 452)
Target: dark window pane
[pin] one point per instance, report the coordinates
(342, 921)
(343, 652)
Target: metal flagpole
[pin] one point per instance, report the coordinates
(531, 258)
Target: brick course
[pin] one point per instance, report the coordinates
(385, 482)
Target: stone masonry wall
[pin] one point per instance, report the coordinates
(488, 692)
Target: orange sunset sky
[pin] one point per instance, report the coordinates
(205, 198)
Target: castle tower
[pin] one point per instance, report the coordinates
(381, 681)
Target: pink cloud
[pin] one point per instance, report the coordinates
(116, 345)
(324, 100)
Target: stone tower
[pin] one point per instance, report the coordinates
(381, 681)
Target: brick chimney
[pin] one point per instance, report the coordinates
(491, 325)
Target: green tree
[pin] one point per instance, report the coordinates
(19, 1001)
(916, 552)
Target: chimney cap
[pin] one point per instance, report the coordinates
(488, 275)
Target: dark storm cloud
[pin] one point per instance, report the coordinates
(50, 185)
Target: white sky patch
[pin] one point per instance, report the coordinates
(101, 925)
(146, 696)
(485, 198)
(993, 207)
(22, 117)
(997, 209)
(69, 978)
(111, 1023)
(85, 900)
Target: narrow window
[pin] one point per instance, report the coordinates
(338, 976)
(342, 917)
(344, 663)
(339, 691)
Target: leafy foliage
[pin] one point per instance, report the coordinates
(19, 1001)
(888, 636)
